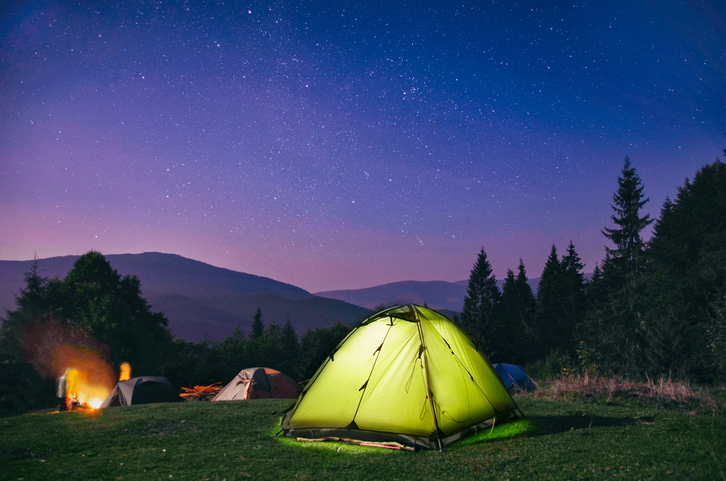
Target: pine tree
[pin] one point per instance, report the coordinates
(572, 299)
(31, 307)
(686, 280)
(480, 304)
(516, 308)
(290, 348)
(628, 201)
(258, 327)
(528, 304)
(21, 385)
(510, 323)
(549, 308)
(613, 326)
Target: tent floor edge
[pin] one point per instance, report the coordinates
(434, 442)
(361, 436)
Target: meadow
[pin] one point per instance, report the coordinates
(575, 428)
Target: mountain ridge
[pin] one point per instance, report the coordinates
(438, 295)
(201, 301)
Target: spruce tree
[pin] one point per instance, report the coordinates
(573, 298)
(549, 307)
(627, 203)
(480, 305)
(510, 323)
(258, 327)
(516, 308)
(528, 303)
(22, 387)
(613, 325)
(291, 350)
(686, 280)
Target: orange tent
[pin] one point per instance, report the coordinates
(258, 383)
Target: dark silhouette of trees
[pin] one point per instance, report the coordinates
(478, 317)
(96, 299)
(515, 323)
(93, 308)
(290, 346)
(612, 323)
(656, 308)
(686, 279)
(317, 344)
(572, 288)
(548, 312)
(627, 202)
(258, 327)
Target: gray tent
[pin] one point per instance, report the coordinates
(142, 390)
(258, 383)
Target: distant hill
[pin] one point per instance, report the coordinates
(438, 295)
(200, 300)
(446, 297)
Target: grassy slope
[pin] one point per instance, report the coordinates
(215, 441)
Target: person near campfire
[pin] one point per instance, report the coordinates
(61, 388)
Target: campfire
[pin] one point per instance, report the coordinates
(79, 363)
(82, 391)
(88, 382)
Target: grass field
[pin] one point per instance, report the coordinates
(623, 438)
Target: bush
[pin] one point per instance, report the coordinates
(554, 366)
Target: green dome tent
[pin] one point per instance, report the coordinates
(406, 374)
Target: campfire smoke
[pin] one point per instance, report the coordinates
(58, 351)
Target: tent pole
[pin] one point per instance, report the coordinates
(424, 360)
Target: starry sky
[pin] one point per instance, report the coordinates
(348, 144)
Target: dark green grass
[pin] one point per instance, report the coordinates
(216, 441)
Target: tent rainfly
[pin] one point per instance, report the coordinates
(406, 374)
(142, 390)
(258, 383)
(514, 377)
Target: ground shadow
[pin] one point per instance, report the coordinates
(560, 424)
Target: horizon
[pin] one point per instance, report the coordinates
(349, 145)
(498, 279)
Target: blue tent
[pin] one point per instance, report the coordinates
(514, 377)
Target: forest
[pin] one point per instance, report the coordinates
(652, 309)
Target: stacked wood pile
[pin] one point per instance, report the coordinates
(202, 393)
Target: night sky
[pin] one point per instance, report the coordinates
(341, 145)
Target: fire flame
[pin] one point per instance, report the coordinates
(73, 357)
(125, 372)
(88, 378)
(83, 388)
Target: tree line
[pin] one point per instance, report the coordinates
(655, 308)
(97, 310)
(651, 308)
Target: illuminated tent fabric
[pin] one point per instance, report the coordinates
(514, 377)
(258, 383)
(407, 375)
(142, 390)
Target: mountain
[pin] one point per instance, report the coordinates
(201, 301)
(438, 295)
(446, 297)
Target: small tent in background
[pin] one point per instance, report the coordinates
(258, 383)
(142, 390)
(407, 375)
(514, 377)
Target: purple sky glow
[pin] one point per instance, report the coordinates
(342, 145)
